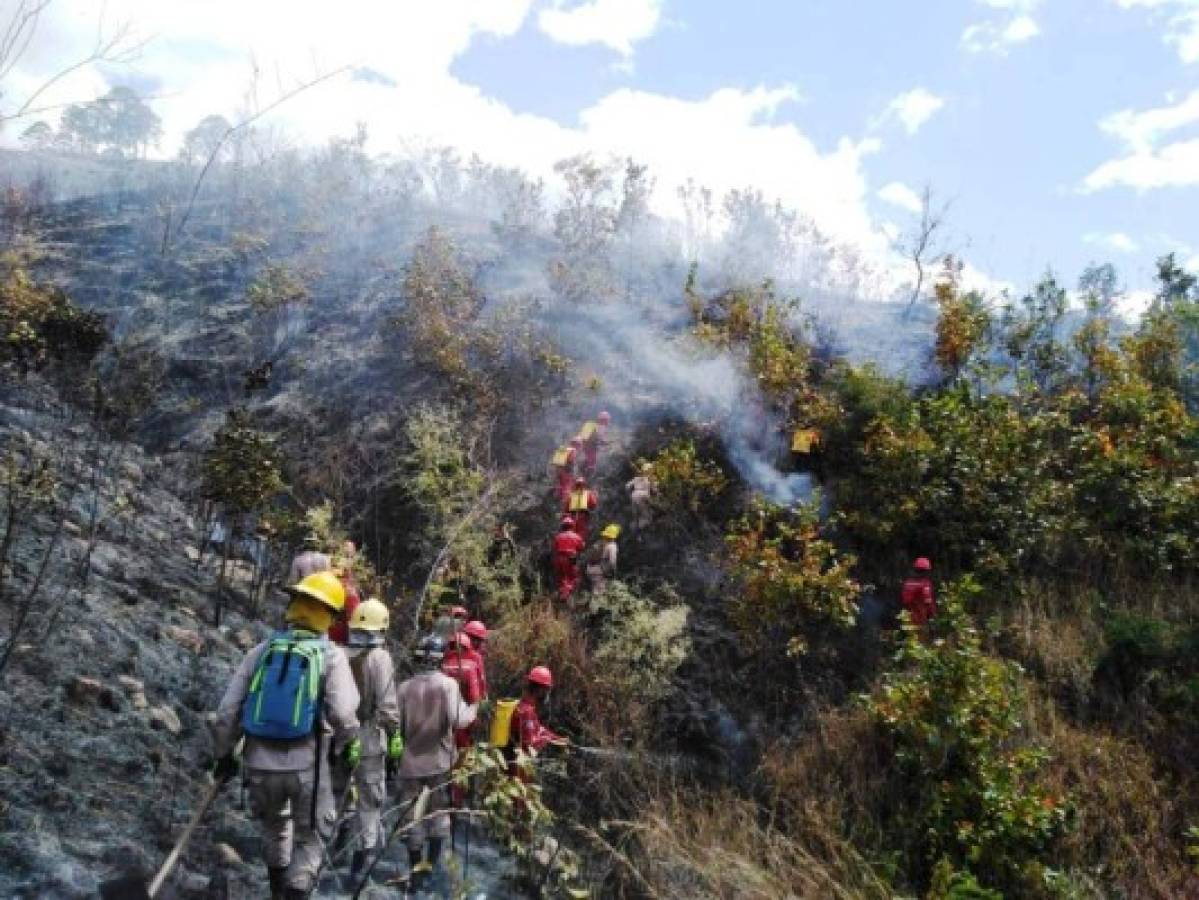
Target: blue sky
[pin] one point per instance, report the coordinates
(1061, 131)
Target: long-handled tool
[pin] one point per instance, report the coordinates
(134, 887)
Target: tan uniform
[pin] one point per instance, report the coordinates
(308, 563)
(281, 775)
(641, 489)
(379, 715)
(601, 565)
(431, 707)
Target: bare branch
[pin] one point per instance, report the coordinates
(234, 129)
(117, 47)
(920, 245)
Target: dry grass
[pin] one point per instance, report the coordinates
(718, 847)
(1128, 833)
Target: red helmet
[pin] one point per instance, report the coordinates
(604, 418)
(461, 640)
(541, 675)
(476, 629)
(567, 522)
(459, 612)
(922, 564)
(580, 481)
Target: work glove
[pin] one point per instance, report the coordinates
(351, 754)
(395, 747)
(226, 768)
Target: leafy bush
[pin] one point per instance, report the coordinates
(793, 580)
(683, 480)
(41, 323)
(955, 715)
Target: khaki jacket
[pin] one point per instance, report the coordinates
(378, 713)
(431, 708)
(339, 718)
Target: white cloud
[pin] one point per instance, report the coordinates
(1147, 162)
(1116, 241)
(913, 108)
(202, 51)
(617, 24)
(1181, 20)
(998, 36)
(899, 194)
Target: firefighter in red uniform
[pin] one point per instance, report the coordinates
(592, 438)
(917, 595)
(530, 735)
(459, 663)
(477, 632)
(567, 547)
(563, 461)
(580, 503)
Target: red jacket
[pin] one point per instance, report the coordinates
(918, 599)
(339, 631)
(526, 725)
(464, 670)
(568, 544)
(477, 658)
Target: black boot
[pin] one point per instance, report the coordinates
(277, 875)
(418, 869)
(434, 852)
(358, 864)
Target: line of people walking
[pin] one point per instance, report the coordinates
(318, 722)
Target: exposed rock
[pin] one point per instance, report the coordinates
(165, 718)
(135, 690)
(185, 637)
(227, 855)
(91, 691)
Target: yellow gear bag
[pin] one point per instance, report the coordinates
(587, 432)
(501, 722)
(804, 440)
(579, 501)
(561, 457)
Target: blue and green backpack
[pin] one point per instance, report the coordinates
(285, 694)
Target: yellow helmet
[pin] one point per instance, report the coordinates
(612, 532)
(371, 615)
(324, 587)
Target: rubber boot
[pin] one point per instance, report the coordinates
(276, 876)
(358, 864)
(418, 869)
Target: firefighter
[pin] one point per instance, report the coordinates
(592, 437)
(641, 492)
(477, 632)
(601, 559)
(567, 547)
(580, 503)
(917, 595)
(563, 462)
(461, 665)
(528, 732)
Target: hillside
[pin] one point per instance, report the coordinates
(394, 358)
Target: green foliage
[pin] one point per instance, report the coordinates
(963, 323)
(684, 480)
(277, 287)
(955, 717)
(640, 642)
(793, 580)
(242, 469)
(40, 323)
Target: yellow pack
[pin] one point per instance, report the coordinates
(561, 456)
(501, 722)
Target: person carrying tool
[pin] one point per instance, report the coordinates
(592, 437)
(641, 492)
(528, 734)
(563, 464)
(601, 559)
(431, 709)
(379, 716)
(309, 560)
(294, 699)
(567, 547)
(917, 595)
(581, 503)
